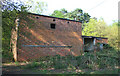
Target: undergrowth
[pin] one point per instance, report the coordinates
(93, 61)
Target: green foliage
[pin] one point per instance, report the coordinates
(10, 11)
(112, 34)
(36, 6)
(17, 63)
(60, 65)
(113, 71)
(107, 46)
(31, 65)
(77, 14)
(95, 28)
(101, 60)
(100, 29)
(58, 13)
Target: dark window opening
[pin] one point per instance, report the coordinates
(37, 17)
(104, 44)
(52, 26)
(53, 19)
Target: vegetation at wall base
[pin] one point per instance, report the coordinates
(89, 63)
(105, 61)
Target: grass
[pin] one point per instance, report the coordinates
(88, 63)
(113, 71)
(101, 62)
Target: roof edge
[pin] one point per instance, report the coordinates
(54, 17)
(94, 37)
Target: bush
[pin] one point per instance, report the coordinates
(60, 65)
(31, 65)
(106, 59)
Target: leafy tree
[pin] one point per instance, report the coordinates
(100, 29)
(95, 28)
(77, 14)
(10, 11)
(36, 6)
(112, 34)
(59, 13)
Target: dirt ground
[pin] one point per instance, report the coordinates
(13, 68)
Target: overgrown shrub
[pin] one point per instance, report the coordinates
(106, 59)
(31, 65)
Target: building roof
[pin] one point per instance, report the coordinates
(93, 37)
(54, 17)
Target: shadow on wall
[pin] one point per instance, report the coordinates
(37, 34)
